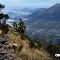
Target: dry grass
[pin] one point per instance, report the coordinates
(26, 53)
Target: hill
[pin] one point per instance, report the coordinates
(15, 14)
(44, 25)
(36, 13)
(16, 48)
(51, 13)
(26, 52)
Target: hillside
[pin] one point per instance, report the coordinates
(51, 13)
(46, 24)
(36, 13)
(15, 44)
(24, 48)
(26, 53)
(15, 14)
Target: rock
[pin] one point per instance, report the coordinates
(3, 50)
(2, 56)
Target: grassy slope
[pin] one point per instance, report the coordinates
(26, 53)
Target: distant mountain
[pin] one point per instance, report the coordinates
(37, 13)
(45, 24)
(52, 13)
(18, 13)
(29, 9)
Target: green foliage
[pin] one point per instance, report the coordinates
(20, 28)
(20, 48)
(5, 17)
(15, 26)
(1, 15)
(53, 49)
(4, 28)
(35, 44)
(12, 31)
(3, 25)
(32, 44)
(2, 6)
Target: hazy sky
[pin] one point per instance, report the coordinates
(28, 3)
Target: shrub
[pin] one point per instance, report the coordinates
(35, 44)
(20, 48)
(53, 49)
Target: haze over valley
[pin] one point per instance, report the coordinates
(42, 23)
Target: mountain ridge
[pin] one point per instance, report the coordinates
(46, 24)
(51, 13)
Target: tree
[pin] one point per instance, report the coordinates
(53, 49)
(3, 17)
(2, 6)
(4, 25)
(21, 27)
(4, 28)
(15, 26)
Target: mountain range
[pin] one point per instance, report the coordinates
(15, 14)
(45, 24)
(52, 13)
(42, 23)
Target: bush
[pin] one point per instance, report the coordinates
(35, 44)
(20, 48)
(53, 49)
(32, 44)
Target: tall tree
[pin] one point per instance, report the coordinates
(15, 26)
(21, 27)
(2, 7)
(3, 17)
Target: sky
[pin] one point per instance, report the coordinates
(29, 3)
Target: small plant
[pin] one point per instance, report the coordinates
(53, 49)
(35, 44)
(15, 26)
(20, 48)
(32, 44)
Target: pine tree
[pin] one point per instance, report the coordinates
(15, 26)
(2, 7)
(3, 17)
(21, 28)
